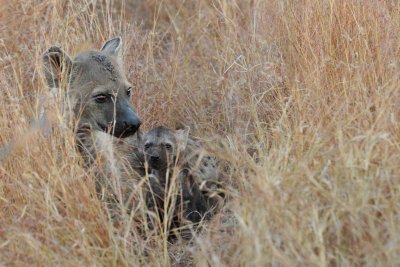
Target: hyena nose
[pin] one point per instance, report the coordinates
(132, 125)
(154, 159)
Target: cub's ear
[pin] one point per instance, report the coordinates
(57, 64)
(182, 136)
(113, 47)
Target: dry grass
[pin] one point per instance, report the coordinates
(304, 95)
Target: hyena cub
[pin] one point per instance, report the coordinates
(176, 161)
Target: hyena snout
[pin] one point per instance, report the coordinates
(154, 159)
(127, 124)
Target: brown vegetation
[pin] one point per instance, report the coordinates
(304, 95)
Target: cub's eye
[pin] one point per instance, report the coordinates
(101, 98)
(147, 146)
(129, 91)
(168, 146)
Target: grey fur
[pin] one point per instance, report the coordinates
(98, 94)
(89, 78)
(175, 154)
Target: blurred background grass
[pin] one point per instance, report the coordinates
(304, 95)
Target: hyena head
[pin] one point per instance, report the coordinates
(161, 146)
(97, 88)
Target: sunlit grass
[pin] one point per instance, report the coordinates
(300, 98)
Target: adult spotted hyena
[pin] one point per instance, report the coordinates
(98, 96)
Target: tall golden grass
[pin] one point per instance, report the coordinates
(304, 95)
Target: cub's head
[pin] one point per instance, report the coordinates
(161, 146)
(98, 91)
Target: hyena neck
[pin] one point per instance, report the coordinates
(161, 175)
(93, 143)
(170, 173)
(164, 175)
(86, 146)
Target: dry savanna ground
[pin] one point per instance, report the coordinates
(302, 98)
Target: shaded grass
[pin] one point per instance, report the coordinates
(304, 96)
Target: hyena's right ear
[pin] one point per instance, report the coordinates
(57, 64)
(182, 136)
(113, 47)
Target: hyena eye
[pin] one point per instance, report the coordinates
(147, 146)
(101, 98)
(168, 146)
(129, 91)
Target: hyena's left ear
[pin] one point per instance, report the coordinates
(182, 136)
(57, 64)
(113, 47)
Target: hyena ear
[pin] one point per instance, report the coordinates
(113, 47)
(56, 64)
(182, 136)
